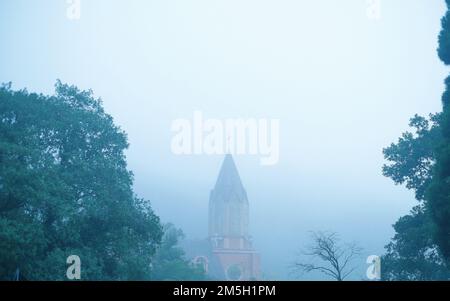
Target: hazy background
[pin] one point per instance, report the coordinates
(343, 86)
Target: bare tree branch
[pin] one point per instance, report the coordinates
(335, 258)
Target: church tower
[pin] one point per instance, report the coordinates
(229, 225)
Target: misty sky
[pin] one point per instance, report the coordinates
(342, 85)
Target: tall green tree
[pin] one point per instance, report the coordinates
(413, 254)
(65, 190)
(169, 262)
(438, 193)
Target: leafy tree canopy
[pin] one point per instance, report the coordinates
(412, 254)
(438, 193)
(65, 190)
(169, 261)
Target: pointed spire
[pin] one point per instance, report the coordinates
(229, 182)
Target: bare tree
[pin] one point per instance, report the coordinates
(335, 258)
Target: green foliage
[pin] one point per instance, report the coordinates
(412, 157)
(423, 163)
(438, 193)
(65, 189)
(169, 262)
(412, 254)
(444, 37)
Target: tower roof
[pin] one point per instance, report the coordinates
(229, 182)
